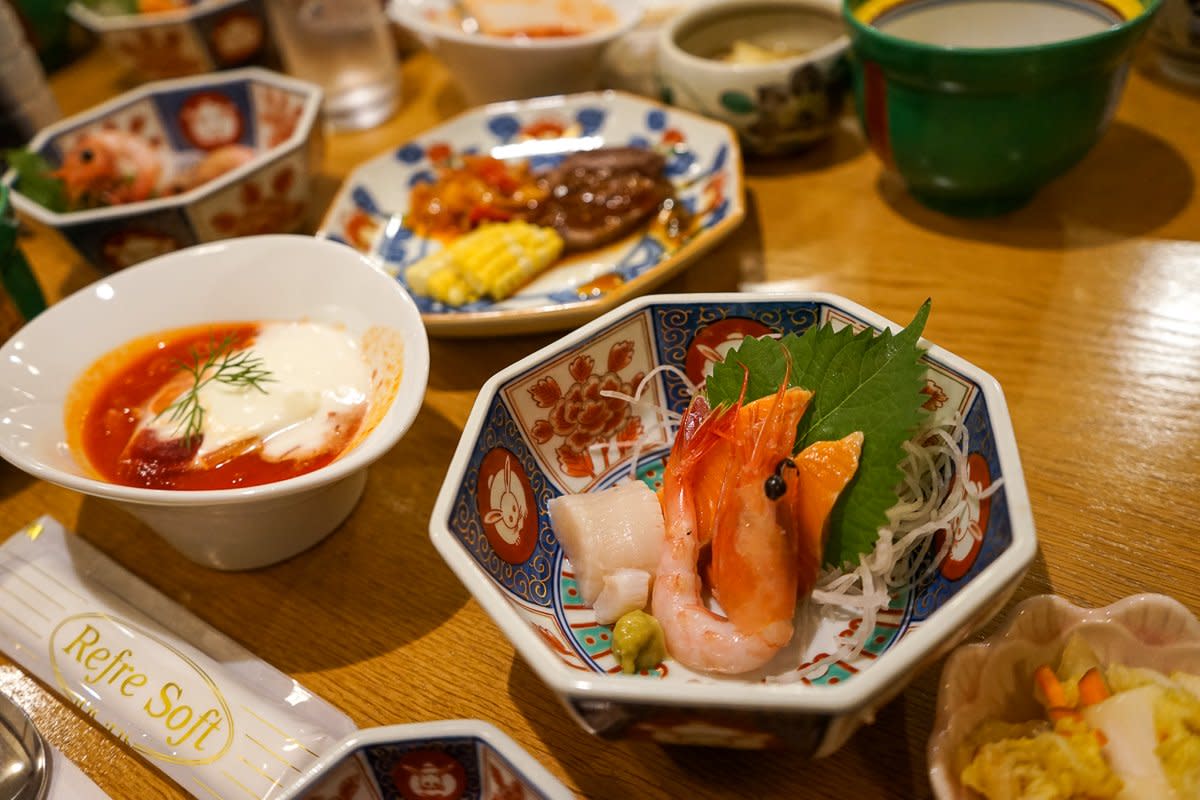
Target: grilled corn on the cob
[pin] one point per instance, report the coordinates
(494, 259)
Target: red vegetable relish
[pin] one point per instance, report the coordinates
(112, 416)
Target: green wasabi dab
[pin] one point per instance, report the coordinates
(638, 642)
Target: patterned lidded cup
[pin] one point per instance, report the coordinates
(1176, 36)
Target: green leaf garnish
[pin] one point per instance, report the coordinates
(860, 382)
(35, 179)
(223, 365)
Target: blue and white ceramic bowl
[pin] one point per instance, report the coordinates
(515, 445)
(460, 759)
(203, 36)
(182, 120)
(703, 161)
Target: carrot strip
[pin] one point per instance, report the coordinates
(1053, 697)
(1092, 688)
(1050, 692)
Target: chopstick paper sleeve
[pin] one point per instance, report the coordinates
(219, 721)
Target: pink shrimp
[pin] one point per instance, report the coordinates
(109, 167)
(217, 163)
(695, 636)
(755, 569)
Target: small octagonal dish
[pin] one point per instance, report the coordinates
(176, 124)
(200, 36)
(992, 679)
(540, 429)
(459, 759)
(702, 162)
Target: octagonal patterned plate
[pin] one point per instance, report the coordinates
(542, 428)
(459, 759)
(703, 162)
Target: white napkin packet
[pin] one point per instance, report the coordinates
(67, 782)
(195, 704)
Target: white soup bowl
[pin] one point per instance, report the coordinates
(493, 68)
(264, 278)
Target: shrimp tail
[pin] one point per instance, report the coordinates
(699, 430)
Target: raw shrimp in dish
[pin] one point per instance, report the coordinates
(217, 163)
(754, 572)
(697, 637)
(731, 483)
(109, 167)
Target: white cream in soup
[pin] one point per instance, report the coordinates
(317, 384)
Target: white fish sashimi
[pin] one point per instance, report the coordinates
(1127, 721)
(624, 590)
(602, 532)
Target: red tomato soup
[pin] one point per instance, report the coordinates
(120, 413)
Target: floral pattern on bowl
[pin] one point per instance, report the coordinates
(450, 760)
(993, 679)
(202, 37)
(541, 428)
(180, 121)
(703, 161)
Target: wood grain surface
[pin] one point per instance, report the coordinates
(1085, 306)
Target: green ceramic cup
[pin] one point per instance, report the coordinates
(977, 131)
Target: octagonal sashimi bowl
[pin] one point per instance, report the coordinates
(491, 525)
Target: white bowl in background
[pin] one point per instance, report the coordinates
(631, 62)
(492, 68)
(254, 278)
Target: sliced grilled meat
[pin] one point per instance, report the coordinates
(597, 196)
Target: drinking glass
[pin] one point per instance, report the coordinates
(346, 47)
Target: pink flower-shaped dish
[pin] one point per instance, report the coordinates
(992, 679)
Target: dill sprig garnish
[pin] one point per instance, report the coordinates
(223, 365)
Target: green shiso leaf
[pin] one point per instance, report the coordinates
(36, 181)
(860, 382)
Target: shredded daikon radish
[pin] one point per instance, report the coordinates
(664, 417)
(934, 494)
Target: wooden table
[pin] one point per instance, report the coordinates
(1085, 306)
